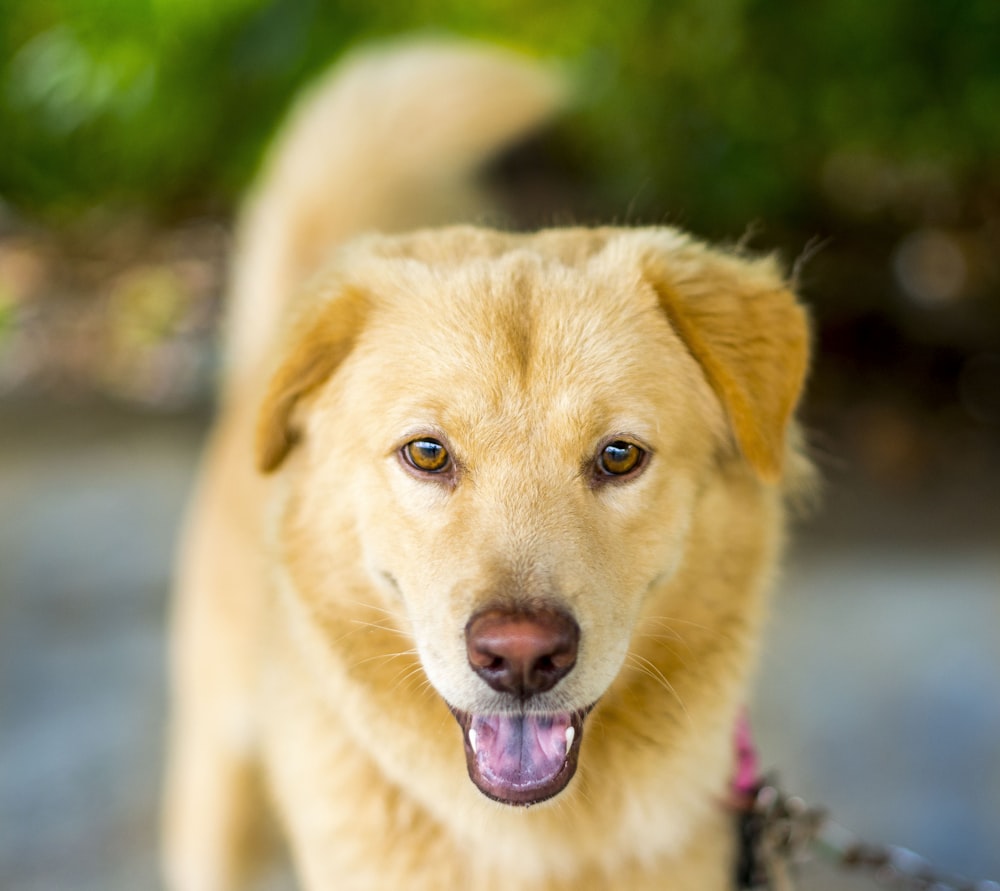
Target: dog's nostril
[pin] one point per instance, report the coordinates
(522, 652)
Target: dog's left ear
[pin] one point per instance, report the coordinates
(750, 335)
(317, 343)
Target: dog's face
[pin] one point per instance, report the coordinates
(521, 439)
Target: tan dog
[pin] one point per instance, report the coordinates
(490, 524)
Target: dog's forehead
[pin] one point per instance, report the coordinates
(517, 312)
(583, 344)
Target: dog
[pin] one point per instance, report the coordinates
(474, 575)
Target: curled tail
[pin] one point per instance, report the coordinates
(389, 139)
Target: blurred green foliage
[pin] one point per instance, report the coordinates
(715, 111)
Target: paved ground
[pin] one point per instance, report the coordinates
(879, 694)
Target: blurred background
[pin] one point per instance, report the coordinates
(861, 141)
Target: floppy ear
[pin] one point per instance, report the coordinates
(318, 342)
(750, 335)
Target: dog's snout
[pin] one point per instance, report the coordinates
(522, 652)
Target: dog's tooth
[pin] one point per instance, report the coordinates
(570, 733)
(472, 740)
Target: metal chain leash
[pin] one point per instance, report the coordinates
(780, 831)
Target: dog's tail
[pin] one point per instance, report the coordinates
(390, 139)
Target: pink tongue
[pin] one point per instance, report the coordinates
(519, 751)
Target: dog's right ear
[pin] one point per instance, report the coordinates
(317, 343)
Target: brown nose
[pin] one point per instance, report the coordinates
(524, 652)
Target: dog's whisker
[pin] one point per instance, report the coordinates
(662, 623)
(384, 657)
(405, 677)
(367, 604)
(664, 643)
(362, 624)
(664, 640)
(669, 621)
(666, 636)
(378, 626)
(648, 668)
(373, 607)
(349, 633)
(582, 791)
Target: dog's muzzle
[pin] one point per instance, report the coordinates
(522, 756)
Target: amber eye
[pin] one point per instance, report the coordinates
(427, 455)
(619, 458)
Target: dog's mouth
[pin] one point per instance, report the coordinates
(521, 759)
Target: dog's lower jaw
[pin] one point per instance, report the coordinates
(521, 759)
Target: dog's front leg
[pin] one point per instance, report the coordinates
(213, 803)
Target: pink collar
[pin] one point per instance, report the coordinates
(746, 777)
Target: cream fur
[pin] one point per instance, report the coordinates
(321, 603)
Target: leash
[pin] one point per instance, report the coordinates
(778, 832)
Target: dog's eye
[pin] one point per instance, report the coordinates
(619, 458)
(427, 455)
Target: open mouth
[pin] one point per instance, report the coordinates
(521, 759)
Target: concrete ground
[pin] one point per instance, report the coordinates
(879, 694)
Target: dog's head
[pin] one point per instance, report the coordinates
(514, 432)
